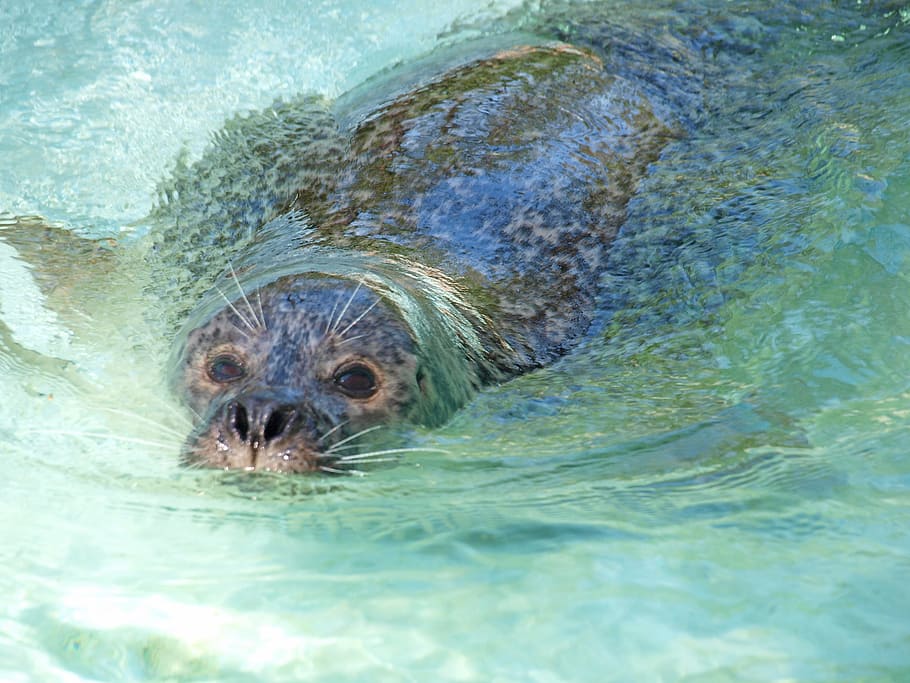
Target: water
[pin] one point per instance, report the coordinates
(715, 487)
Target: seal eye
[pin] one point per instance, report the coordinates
(357, 381)
(225, 368)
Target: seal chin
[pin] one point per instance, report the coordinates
(260, 431)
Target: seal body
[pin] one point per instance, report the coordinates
(411, 243)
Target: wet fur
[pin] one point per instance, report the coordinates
(475, 203)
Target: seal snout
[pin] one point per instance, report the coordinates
(258, 420)
(260, 430)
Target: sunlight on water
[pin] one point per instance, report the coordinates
(714, 487)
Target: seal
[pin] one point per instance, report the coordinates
(426, 235)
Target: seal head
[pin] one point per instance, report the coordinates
(290, 377)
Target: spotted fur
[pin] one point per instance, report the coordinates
(473, 210)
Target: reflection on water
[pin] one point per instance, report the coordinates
(714, 487)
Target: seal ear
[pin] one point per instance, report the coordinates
(422, 381)
(445, 385)
(425, 388)
(430, 407)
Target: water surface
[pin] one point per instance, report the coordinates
(715, 487)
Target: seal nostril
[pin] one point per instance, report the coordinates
(239, 420)
(256, 420)
(277, 423)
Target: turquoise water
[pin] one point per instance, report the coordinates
(715, 487)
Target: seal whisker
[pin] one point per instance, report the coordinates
(174, 410)
(239, 330)
(259, 323)
(328, 325)
(100, 435)
(194, 464)
(390, 451)
(353, 436)
(332, 470)
(350, 339)
(335, 449)
(240, 315)
(345, 309)
(333, 429)
(192, 410)
(148, 421)
(261, 313)
(358, 318)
